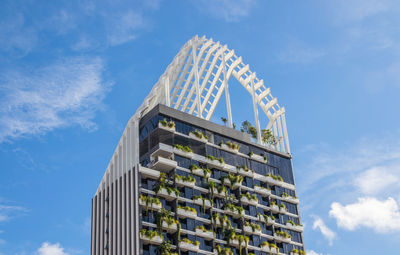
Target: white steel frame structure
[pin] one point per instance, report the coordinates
(193, 83)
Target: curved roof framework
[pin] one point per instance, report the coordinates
(194, 83)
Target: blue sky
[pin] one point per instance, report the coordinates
(72, 74)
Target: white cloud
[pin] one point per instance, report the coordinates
(8, 211)
(325, 230)
(124, 27)
(51, 249)
(299, 54)
(229, 10)
(358, 10)
(311, 252)
(381, 216)
(376, 179)
(60, 95)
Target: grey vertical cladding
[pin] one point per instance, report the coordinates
(115, 229)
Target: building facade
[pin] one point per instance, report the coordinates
(181, 184)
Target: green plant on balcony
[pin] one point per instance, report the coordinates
(195, 243)
(249, 197)
(225, 222)
(183, 148)
(244, 167)
(199, 134)
(223, 251)
(268, 137)
(231, 145)
(206, 171)
(254, 226)
(272, 246)
(204, 201)
(273, 202)
(169, 189)
(283, 234)
(188, 178)
(229, 235)
(284, 194)
(233, 179)
(202, 228)
(266, 217)
(248, 128)
(166, 123)
(214, 220)
(165, 249)
(187, 208)
(282, 206)
(149, 201)
(150, 234)
(250, 154)
(211, 157)
(301, 252)
(295, 251)
(265, 243)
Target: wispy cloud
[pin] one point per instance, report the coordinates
(8, 212)
(299, 54)
(51, 249)
(229, 10)
(325, 230)
(125, 27)
(311, 252)
(63, 94)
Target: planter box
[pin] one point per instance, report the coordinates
(269, 220)
(153, 206)
(181, 183)
(200, 172)
(183, 153)
(157, 240)
(293, 253)
(262, 190)
(186, 214)
(235, 214)
(227, 182)
(166, 127)
(208, 235)
(292, 200)
(164, 193)
(248, 229)
(246, 201)
(235, 243)
(260, 177)
(188, 246)
(215, 163)
(217, 194)
(193, 136)
(258, 158)
(171, 228)
(150, 173)
(281, 239)
(163, 164)
(275, 208)
(236, 185)
(295, 227)
(199, 201)
(226, 147)
(243, 172)
(283, 210)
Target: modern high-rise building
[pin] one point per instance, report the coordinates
(181, 184)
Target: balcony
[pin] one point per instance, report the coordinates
(170, 228)
(281, 236)
(186, 212)
(235, 243)
(163, 164)
(151, 237)
(149, 173)
(169, 126)
(187, 245)
(245, 171)
(268, 220)
(268, 248)
(275, 208)
(260, 177)
(263, 191)
(215, 163)
(252, 230)
(247, 201)
(199, 136)
(203, 202)
(204, 172)
(184, 151)
(206, 234)
(168, 195)
(151, 206)
(231, 147)
(234, 212)
(220, 194)
(182, 181)
(291, 225)
(257, 157)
